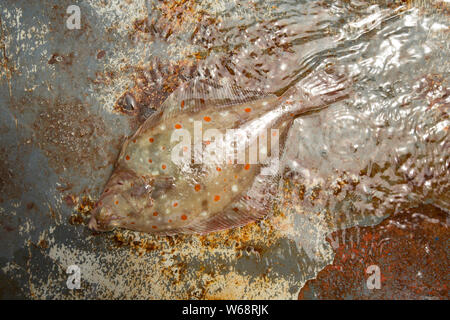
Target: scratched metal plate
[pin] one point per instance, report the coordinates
(64, 115)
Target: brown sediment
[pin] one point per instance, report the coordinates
(152, 84)
(70, 200)
(8, 67)
(76, 219)
(62, 59)
(9, 176)
(249, 239)
(43, 244)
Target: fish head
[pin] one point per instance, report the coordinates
(124, 198)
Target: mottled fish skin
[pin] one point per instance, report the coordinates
(149, 192)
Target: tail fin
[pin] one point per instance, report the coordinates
(318, 90)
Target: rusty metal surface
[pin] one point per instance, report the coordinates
(67, 100)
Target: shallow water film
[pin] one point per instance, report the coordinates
(358, 209)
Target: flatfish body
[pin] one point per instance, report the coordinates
(207, 161)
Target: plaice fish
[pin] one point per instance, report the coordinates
(208, 160)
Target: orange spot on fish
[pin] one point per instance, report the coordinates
(207, 142)
(170, 220)
(155, 213)
(163, 167)
(134, 140)
(183, 217)
(127, 157)
(274, 133)
(197, 187)
(151, 140)
(207, 119)
(235, 209)
(154, 227)
(178, 126)
(150, 160)
(247, 166)
(235, 177)
(175, 204)
(218, 169)
(182, 104)
(117, 202)
(216, 198)
(248, 109)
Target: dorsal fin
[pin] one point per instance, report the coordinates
(197, 94)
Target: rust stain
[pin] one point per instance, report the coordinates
(5, 61)
(43, 244)
(63, 59)
(82, 211)
(10, 175)
(101, 54)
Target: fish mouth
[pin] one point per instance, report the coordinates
(103, 223)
